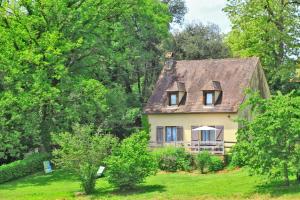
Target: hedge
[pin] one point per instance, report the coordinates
(31, 164)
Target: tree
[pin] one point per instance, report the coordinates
(268, 29)
(198, 41)
(59, 61)
(131, 163)
(268, 143)
(82, 153)
(177, 8)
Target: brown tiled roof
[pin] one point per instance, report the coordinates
(232, 76)
(212, 85)
(177, 86)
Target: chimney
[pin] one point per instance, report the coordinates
(170, 61)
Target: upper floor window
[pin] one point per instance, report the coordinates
(212, 93)
(173, 99)
(209, 98)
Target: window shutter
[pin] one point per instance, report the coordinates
(220, 133)
(179, 133)
(195, 134)
(159, 134)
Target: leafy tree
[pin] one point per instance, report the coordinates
(82, 153)
(131, 163)
(198, 41)
(177, 8)
(61, 61)
(268, 143)
(268, 29)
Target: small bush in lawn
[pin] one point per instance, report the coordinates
(83, 153)
(20, 168)
(216, 164)
(131, 162)
(173, 159)
(203, 160)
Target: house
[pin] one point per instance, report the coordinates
(195, 103)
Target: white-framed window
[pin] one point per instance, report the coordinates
(173, 99)
(209, 98)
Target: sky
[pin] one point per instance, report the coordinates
(207, 11)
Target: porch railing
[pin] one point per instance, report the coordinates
(216, 147)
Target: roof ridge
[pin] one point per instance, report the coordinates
(220, 59)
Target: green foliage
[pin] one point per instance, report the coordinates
(173, 159)
(168, 162)
(270, 30)
(31, 164)
(177, 8)
(237, 156)
(62, 61)
(131, 163)
(83, 152)
(216, 164)
(198, 41)
(146, 124)
(268, 143)
(203, 160)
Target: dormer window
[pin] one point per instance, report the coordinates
(176, 94)
(173, 99)
(209, 98)
(212, 93)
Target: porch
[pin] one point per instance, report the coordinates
(215, 147)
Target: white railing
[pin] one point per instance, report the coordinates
(216, 147)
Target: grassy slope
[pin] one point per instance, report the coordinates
(231, 185)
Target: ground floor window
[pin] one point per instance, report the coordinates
(171, 133)
(208, 135)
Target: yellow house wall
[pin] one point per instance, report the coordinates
(189, 120)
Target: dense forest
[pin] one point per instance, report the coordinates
(95, 62)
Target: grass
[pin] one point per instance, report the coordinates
(62, 185)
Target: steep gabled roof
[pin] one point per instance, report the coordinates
(232, 76)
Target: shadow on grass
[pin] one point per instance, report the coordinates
(141, 189)
(277, 188)
(40, 179)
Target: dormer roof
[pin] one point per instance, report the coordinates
(212, 86)
(176, 87)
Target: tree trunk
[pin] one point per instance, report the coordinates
(298, 176)
(139, 86)
(286, 174)
(45, 132)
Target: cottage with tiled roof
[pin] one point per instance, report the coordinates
(195, 102)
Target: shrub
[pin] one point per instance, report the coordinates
(184, 160)
(168, 163)
(131, 162)
(83, 153)
(173, 159)
(215, 164)
(237, 157)
(31, 164)
(203, 160)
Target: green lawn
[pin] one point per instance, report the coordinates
(237, 184)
